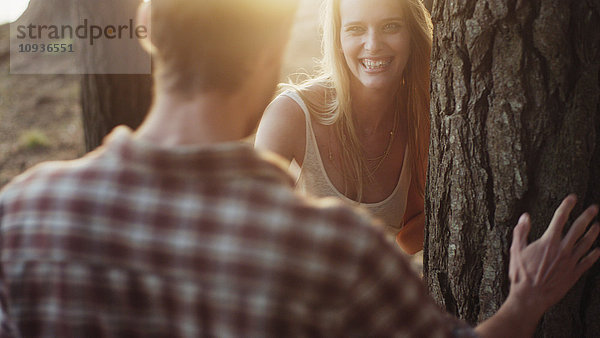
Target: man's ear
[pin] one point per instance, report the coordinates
(144, 18)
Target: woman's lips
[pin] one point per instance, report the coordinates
(376, 65)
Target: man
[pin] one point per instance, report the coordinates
(177, 229)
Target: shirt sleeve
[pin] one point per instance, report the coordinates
(389, 299)
(7, 328)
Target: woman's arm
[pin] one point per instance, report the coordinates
(282, 129)
(410, 237)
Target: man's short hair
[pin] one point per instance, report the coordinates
(212, 44)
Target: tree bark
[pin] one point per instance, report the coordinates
(109, 100)
(515, 127)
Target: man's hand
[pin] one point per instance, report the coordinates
(542, 272)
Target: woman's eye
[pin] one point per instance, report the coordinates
(354, 29)
(391, 27)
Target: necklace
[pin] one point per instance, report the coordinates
(388, 149)
(381, 158)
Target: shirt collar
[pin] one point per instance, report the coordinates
(229, 159)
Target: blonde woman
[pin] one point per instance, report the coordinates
(360, 130)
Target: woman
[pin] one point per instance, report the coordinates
(366, 119)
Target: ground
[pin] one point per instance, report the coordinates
(40, 117)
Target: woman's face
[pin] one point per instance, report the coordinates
(375, 41)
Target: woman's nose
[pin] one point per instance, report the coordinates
(372, 42)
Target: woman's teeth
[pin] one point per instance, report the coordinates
(375, 64)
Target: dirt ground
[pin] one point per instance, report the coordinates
(39, 117)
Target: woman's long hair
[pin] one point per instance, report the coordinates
(336, 108)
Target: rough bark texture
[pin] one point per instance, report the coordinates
(515, 122)
(109, 100)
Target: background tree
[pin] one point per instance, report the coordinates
(515, 125)
(428, 4)
(108, 100)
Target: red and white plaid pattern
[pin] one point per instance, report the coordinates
(134, 240)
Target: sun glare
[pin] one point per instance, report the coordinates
(11, 10)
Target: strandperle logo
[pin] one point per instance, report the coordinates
(104, 41)
(82, 31)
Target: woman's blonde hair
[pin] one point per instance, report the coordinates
(336, 108)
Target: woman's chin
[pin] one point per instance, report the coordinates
(378, 84)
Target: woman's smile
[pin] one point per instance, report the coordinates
(375, 65)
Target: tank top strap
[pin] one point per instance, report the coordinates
(292, 94)
(311, 155)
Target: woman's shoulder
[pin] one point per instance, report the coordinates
(282, 127)
(294, 101)
(286, 106)
(317, 92)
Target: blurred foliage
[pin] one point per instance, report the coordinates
(34, 139)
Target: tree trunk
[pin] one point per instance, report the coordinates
(109, 100)
(515, 127)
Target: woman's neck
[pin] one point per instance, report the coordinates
(373, 109)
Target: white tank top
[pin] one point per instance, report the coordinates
(313, 180)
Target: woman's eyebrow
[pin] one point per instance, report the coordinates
(355, 23)
(396, 18)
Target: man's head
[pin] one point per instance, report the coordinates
(202, 46)
(213, 44)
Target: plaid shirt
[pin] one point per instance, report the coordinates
(134, 240)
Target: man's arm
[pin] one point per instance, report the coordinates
(388, 299)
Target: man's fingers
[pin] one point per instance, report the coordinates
(587, 262)
(521, 232)
(561, 215)
(586, 242)
(579, 226)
